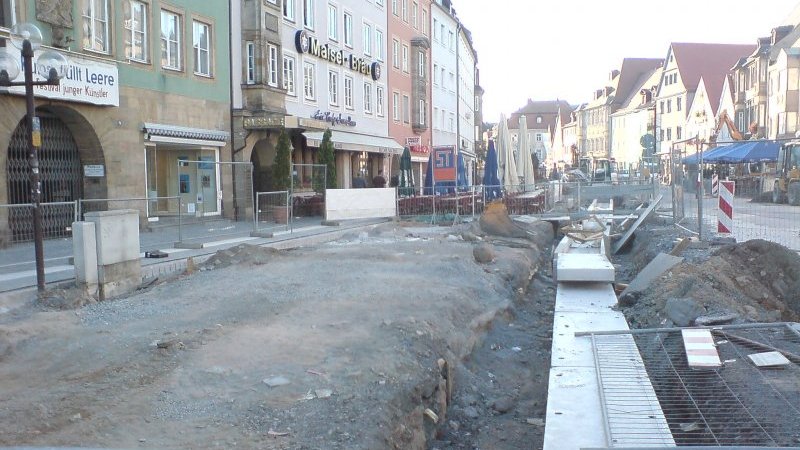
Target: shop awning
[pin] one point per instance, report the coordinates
(354, 142)
(739, 153)
(156, 132)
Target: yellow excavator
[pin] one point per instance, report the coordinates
(787, 184)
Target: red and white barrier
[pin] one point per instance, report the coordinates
(714, 185)
(701, 353)
(725, 214)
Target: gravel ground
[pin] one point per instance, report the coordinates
(374, 334)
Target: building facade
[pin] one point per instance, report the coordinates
(632, 122)
(541, 118)
(143, 112)
(409, 78)
(444, 27)
(465, 91)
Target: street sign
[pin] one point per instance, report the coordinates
(647, 141)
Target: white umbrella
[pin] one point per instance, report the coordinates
(525, 160)
(508, 167)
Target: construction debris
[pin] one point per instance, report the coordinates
(769, 359)
(657, 267)
(642, 217)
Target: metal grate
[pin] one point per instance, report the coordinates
(738, 404)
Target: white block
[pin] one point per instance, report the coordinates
(117, 234)
(84, 249)
(584, 267)
(360, 203)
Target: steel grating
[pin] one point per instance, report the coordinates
(737, 405)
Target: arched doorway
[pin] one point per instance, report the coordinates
(61, 178)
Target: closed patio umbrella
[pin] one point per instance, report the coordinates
(490, 180)
(406, 180)
(525, 160)
(508, 166)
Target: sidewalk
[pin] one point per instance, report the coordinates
(18, 267)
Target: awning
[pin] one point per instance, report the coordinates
(740, 153)
(354, 142)
(184, 135)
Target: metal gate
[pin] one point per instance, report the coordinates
(61, 177)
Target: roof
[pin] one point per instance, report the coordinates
(548, 110)
(175, 131)
(543, 107)
(646, 81)
(630, 77)
(710, 61)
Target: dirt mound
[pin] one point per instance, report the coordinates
(241, 254)
(754, 281)
(495, 221)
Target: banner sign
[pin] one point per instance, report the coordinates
(86, 81)
(444, 163)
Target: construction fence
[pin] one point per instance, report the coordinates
(742, 209)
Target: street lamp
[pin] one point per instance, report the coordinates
(52, 66)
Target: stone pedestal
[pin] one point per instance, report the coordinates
(117, 248)
(84, 249)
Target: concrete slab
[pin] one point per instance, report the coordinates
(642, 217)
(189, 245)
(585, 297)
(569, 350)
(584, 267)
(574, 412)
(262, 234)
(657, 267)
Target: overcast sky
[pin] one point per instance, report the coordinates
(566, 48)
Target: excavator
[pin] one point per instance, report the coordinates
(787, 184)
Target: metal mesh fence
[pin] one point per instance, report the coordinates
(16, 221)
(748, 213)
(272, 211)
(308, 190)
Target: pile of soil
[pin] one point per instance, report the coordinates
(754, 281)
(241, 254)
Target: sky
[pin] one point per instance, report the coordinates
(565, 49)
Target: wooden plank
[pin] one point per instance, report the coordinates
(642, 217)
(680, 247)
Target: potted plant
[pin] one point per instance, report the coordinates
(281, 173)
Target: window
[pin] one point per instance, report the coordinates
(288, 74)
(538, 137)
(348, 92)
(441, 33)
(435, 29)
(367, 39)
(421, 64)
(288, 9)
(379, 51)
(170, 41)
(414, 11)
(379, 100)
(435, 74)
(422, 112)
(348, 29)
(396, 106)
(680, 104)
(136, 30)
(333, 88)
(435, 117)
(452, 122)
(669, 105)
(661, 107)
(367, 98)
(678, 133)
(538, 119)
(308, 81)
(395, 54)
(333, 23)
(669, 134)
(95, 25)
(405, 58)
(202, 50)
(451, 40)
(250, 51)
(477, 103)
(394, 7)
(404, 7)
(7, 13)
(308, 14)
(272, 67)
(424, 22)
(442, 80)
(406, 109)
(452, 81)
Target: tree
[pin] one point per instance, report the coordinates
(327, 157)
(281, 167)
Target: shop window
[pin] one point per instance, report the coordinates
(185, 184)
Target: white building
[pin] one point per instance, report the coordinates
(632, 122)
(443, 94)
(466, 100)
(332, 67)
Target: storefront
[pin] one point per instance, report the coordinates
(358, 154)
(183, 163)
